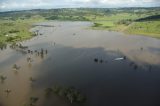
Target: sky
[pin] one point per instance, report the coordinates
(9, 5)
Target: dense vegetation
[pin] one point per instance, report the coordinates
(15, 25)
(150, 18)
(69, 93)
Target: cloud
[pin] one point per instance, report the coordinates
(34, 4)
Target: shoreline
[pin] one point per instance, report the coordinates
(152, 35)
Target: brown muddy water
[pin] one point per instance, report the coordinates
(86, 59)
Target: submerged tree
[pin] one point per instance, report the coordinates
(32, 79)
(101, 61)
(3, 45)
(29, 51)
(56, 89)
(29, 59)
(70, 97)
(7, 91)
(135, 67)
(16, 67)
(33, 101)
(48, 92)
(2, 78)
(70, 93)
(42, 53)
(96, 60)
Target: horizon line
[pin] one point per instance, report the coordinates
(18, 10)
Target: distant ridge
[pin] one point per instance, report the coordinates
(150, 18)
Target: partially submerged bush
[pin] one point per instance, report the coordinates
(69, 93)
(97, 25)
(2, 78)
(3, 45)
(16, 67)
(33, 101)
(48, 91)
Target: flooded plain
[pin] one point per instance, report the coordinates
(109, 68)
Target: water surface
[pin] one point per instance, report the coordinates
(72, 48)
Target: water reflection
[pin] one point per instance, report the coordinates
(82, 72)
(108, 67)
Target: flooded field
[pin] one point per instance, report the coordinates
(109, 68)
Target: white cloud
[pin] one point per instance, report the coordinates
(32, 4)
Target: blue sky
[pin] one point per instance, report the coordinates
(6, 5)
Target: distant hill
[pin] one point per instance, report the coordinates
(150, 18)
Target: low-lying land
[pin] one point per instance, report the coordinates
(16, 30)
(130, 25)
(14, 26)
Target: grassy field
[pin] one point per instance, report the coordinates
(149, 28)
(127, 24)
(17, 30)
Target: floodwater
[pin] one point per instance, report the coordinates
(109, 68)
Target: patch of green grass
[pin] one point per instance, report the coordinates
(148, 28)
(125, 22)
(13, 31)
(108, 25)
(103, 25)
